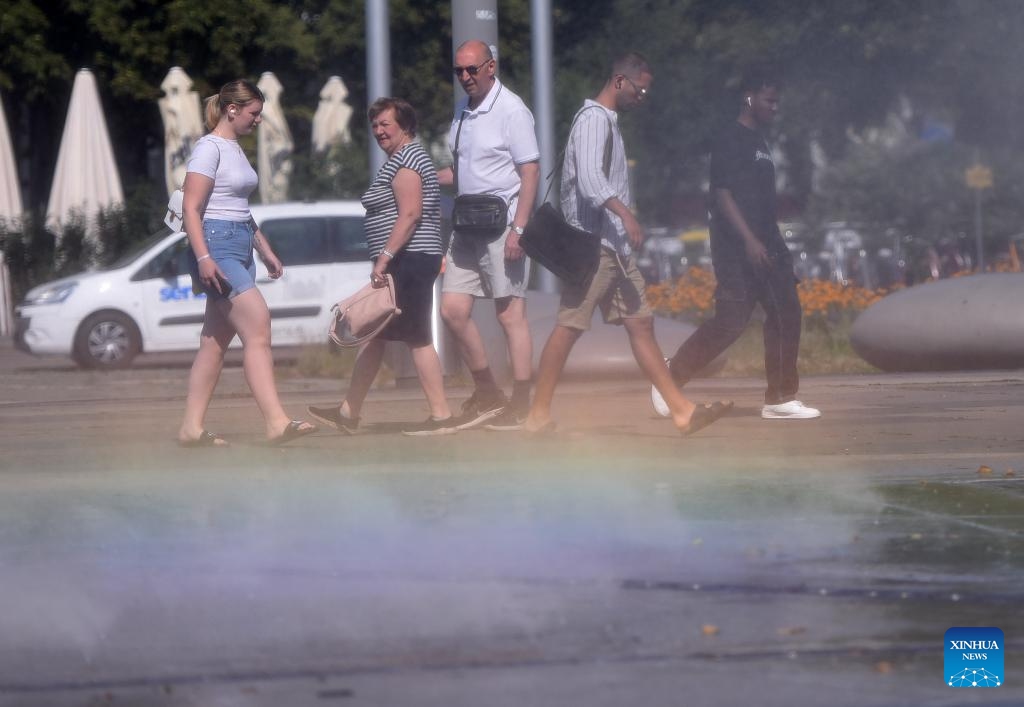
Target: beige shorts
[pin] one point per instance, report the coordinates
(478, 267)
(617, 290)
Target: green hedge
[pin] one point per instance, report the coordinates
(36, 255)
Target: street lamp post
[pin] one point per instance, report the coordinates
(378, 68)
(978, 178)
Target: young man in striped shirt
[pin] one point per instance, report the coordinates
(595, 197)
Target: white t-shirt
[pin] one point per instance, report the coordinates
(495, 137)
(233, 177)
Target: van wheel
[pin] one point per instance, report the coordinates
(106, 341)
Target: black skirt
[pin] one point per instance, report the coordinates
(414, 275)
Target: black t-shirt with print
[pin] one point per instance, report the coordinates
(742, 163)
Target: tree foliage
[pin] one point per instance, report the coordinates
(846, 64)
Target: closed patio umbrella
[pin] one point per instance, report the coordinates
(330, 122)
(183, 125)
(86, 178)
(10, 194)
(274, 143)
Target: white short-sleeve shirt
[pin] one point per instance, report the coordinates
(233, 177)
(495, 137)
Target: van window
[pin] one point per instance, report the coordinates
(349, 239)
(298, 241)
(136, 250)
(170, 262)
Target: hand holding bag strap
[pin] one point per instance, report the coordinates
(339, 312)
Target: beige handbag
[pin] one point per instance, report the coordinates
(363, 315)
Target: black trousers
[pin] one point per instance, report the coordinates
(739, 290)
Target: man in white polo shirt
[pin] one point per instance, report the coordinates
(493, 142)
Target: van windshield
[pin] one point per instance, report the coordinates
(137, 249)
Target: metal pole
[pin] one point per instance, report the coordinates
(378, 68)
(6, 301)
(471, 19)
(544, 110)
(474, 19)
(977, 230)
(378, 85)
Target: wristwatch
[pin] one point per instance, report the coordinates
(518, 230)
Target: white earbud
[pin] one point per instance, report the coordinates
(750, 102)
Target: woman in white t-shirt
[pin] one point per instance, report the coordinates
(222, 234)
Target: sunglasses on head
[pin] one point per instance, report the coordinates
(471, 70)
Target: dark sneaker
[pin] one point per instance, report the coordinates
(430, 427)
(332, 417)
(508, 421)
(479, 408)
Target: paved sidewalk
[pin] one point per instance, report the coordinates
(757, 562)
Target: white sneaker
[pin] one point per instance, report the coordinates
(793, 410)
(660, 406)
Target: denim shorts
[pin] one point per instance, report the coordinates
(230, 246)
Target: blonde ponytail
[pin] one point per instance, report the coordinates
(211, 111)
(239, 92)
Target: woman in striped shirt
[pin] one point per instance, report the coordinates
(403, 230)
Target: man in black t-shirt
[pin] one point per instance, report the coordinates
(751, 261)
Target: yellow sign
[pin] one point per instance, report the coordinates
(978, 177)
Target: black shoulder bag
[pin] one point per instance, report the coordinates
(572, 254)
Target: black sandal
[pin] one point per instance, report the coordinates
(704, 416)
(205, 439)
(723, 405)
(293, 431)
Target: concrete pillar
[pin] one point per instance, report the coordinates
(544, 112)
(378, 68)
(474, 19)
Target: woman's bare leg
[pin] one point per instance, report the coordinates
(363, 374)
(250, 317)
(206, 367)
(428, 369)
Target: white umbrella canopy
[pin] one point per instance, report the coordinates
(274, 143)
(183, 125)
(86, 178)
(10, 194)
(330, 122)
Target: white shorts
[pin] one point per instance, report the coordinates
(477, 267)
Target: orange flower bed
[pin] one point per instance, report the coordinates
(694, 294)
(825, 298)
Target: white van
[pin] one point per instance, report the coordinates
(144, 301)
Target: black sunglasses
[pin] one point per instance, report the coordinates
(471, 70)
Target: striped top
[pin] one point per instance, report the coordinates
(382, 208)
(585, 188)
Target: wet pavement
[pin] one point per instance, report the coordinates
(758, 562)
